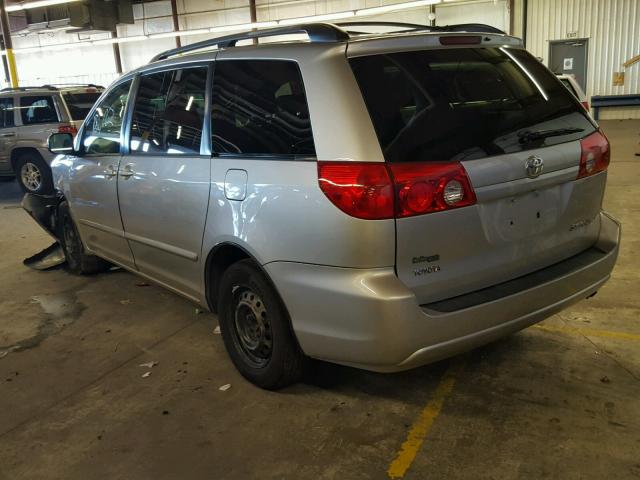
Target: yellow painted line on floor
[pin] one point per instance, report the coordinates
(421, 427)
(590, 332)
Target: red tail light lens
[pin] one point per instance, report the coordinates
(68, 129)
(430, 187)
(376, 191)
(362, 190)
(595, 156)
(585, 105)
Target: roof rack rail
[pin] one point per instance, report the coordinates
(461, 27)
(63, 85)
(318, 33)
(470, 27)
(411, 26)
(24, 89)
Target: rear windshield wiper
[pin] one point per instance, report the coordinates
(531, 136)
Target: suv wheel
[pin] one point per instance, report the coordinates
(78, 261)
(256, 329)
(34, 175)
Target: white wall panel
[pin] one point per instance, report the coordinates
(613, 30)
(492, 12)
(97, 64)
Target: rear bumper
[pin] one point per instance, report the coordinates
(369, 319)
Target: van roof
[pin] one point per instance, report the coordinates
(350, 32)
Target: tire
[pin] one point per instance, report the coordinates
(33, 174)
(78, 261)
(256, 329)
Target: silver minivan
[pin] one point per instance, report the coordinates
(374, 200)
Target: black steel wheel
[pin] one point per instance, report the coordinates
(256, 329)
(252, 327)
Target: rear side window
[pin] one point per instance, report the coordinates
(465, 103)
(169, 112)
(36, 110)
(102, 129)
(6, 113)
(260, 108)
(79, 104)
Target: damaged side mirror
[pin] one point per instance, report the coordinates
(61, 143)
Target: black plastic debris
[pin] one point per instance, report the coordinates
(50, 257)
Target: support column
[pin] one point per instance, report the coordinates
(5, 65)
(254, 16)
(116, 53)
(8, 45)
(176, 24)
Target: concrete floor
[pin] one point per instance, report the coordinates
(560, 400)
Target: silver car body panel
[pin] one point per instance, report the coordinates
(370, 319)
(350, 299)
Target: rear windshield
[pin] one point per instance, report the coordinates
(465, 103)
(79, 104)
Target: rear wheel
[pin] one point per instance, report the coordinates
(256, 329)
(78, 261)
(33, 174)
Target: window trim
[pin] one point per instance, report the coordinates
(288, 157)
(291, 157)
(53, 103)
(205, 142)
(80, 136)
(13, 111)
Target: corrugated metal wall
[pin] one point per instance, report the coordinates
(613, 30)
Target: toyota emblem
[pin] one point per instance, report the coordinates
(534, 166)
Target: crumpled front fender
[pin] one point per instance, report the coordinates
(44, 210)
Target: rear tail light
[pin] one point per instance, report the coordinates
(363, 190)
(377, 191)
(430, 187)
(595, 155)
(585, 105)
(68, 129)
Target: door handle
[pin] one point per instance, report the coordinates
(127, 171)
(5, 135)
(111, 172)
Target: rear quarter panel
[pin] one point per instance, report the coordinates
(285, 216)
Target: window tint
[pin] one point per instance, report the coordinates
(169, 112)
(259, 107)
(464, 103)
(79, 104)
(102, 129)
(6, 113)
(38, 110)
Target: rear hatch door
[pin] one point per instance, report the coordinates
(517, 132)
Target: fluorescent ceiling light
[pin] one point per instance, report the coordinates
(242, 26)
(111, 41)
(36, 4)
(179, 33)
(395, 7)
(317, 18)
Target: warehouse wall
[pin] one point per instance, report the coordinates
(613, 30)
(95, 64)
(612, 27)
